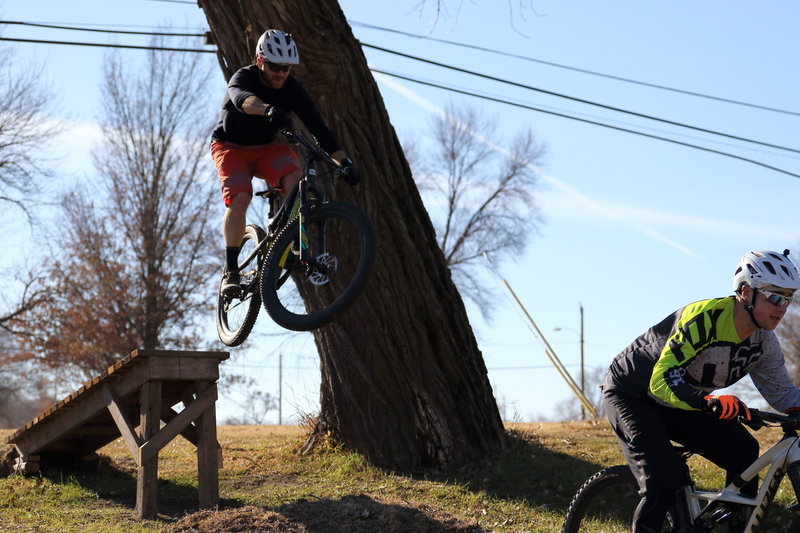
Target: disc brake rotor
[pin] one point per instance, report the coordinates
(324, 266)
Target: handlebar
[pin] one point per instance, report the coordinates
(759, 419)
(295, 137)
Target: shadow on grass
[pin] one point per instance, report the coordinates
(529, 471)
(349, 514)
(116, 483)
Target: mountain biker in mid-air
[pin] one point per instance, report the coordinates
(256, 106)
(661, 387)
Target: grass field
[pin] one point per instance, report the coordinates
(266, 486)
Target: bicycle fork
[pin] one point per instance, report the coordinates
(297, 211)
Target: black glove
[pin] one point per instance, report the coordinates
(348, 172)
(278, 118)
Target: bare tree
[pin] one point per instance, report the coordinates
(137, 246)
(571, 408)
(23, 392)
(255, 403)
(480, 193)
(26, 134)
(451, 9)
(403, 380)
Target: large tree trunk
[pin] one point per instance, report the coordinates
(403, 380)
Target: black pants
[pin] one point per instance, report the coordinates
(644, 430)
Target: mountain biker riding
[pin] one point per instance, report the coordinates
(256, 106)
(661, 387)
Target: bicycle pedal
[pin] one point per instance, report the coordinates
(231, 293)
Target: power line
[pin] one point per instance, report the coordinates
(587, 121)
(576, 99)
(581, 70)
(104, 45)
(486, 95)
(529, 367)
(78, 28)
(109, 25)
(416, 58)
(435, 63)
(467, 93)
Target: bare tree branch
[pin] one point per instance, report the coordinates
(481, 195)
(136, 252)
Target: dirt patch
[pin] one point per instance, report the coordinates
(350, 514)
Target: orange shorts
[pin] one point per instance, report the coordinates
(237, 165)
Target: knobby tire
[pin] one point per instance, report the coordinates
(342, 248)
(237, 315)
(604, 504)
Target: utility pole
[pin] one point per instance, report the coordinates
(582, 378)
(280, 389)
(583, 409)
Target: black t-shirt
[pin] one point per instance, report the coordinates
(253, 130)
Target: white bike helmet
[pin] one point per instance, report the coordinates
(766, 269)
(276, 46)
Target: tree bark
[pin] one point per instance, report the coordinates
(403, 380)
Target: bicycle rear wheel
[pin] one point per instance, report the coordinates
(237, 314)
(605, 503)
(340, 254)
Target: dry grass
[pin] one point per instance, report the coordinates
(266, 486)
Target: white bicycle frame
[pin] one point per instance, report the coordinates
(777, 458)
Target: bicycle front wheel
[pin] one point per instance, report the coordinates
(236, 314)
(305, 291)
(605, 503)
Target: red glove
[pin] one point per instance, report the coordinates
(727, 406)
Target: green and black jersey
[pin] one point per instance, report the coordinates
(695, 351)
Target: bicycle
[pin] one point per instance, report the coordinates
(607, 500)
(326, 247)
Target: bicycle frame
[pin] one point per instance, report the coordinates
(777, 461)
(298, 198)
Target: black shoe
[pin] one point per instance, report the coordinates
(231, 283)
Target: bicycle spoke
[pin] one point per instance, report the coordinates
(340, 249)
(236, 315)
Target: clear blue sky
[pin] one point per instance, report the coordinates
(635, 227)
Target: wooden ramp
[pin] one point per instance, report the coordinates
(134, 399)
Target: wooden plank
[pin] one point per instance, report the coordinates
(153, 445)
(220, 356)
(124, 365)
(189, 433)
(32, 440)
(150, 381)
(124, 426)
(147, 471)
(208, 460)
(177, 368)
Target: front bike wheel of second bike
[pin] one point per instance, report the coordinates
(236, 314)
(340, 244)
(605, 503)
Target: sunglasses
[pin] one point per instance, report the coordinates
(277, 67)
(778, 300)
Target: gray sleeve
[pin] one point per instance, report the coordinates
(772, 379)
